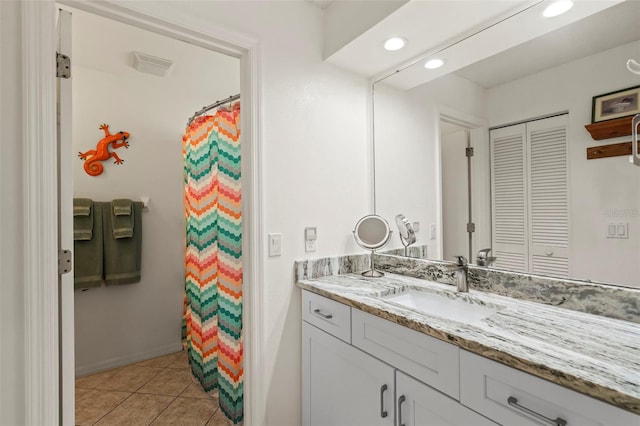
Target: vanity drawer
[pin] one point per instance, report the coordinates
(487, 387)
(327, 315)
(432, 361)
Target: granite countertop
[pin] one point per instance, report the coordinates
(591, 354)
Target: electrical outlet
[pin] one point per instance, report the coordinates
(310, 245)
(416, 226)
(432, 231)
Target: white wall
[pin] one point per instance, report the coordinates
(407, 159)
(121, 324)
(602, 190)
(12, 373)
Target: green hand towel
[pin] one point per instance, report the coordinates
(122, 256)
(82, 219)
(88, 259)
(122, 218)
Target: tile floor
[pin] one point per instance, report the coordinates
(158, 391)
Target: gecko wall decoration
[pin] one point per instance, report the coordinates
(93, 157)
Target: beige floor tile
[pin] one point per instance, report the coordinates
(169, 382)
(94, 380)
(129, 379)
(93, 404)
(180, 361)
(159, 362)
(219, 419)
(186, 412)
(194, 390)
(137, 410)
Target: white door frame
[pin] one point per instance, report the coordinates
(40, 194)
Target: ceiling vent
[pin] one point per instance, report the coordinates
(150, 64)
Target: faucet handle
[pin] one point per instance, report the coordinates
(483, 254)
(462, 261)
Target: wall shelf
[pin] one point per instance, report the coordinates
(611, 150)
(610, 128)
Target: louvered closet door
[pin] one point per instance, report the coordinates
(509, 200)
(548, 196)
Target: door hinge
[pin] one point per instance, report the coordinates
(64, 261)
(63, 66)
(468, 152)
(471, 227)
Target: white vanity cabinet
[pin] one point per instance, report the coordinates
(345, 386)
(342, 385)
(359, 369)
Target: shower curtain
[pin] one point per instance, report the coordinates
(213, 256)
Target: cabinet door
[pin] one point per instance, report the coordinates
(342, 385)
(419, 404)
(509, 198)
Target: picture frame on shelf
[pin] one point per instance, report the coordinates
(621, 103)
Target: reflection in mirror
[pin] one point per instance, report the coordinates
(525, 189)
(372, 233)
(406, 232)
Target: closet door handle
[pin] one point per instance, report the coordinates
(319, 312)
(400, 401)
(383, 412)
(558, 421)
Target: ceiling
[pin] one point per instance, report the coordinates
(426, 24)
(487, 28)
(583, 38)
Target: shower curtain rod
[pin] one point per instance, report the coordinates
(212, 106)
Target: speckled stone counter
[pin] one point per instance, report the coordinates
(593, 298)
(594, 355)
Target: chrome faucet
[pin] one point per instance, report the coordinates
(461, 274)
(484, 259)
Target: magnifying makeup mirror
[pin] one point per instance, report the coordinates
(407, 234)
(372, 232)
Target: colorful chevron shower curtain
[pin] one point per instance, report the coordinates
(213, 256)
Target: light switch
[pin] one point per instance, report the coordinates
(275, 245)
(432, 231)
(618, 230)
(622, 230)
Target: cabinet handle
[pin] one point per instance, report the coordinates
(400, 401)
(383, 412)
(557, 421)
(319, 312)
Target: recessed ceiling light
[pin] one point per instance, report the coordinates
(395, 43)
(432, 64)
(557, 8)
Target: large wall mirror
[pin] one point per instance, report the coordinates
(528, 192)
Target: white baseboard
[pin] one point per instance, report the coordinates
(84, 370)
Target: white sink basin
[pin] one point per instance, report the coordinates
(457, 308)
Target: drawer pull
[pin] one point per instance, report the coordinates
(383, 412)
(319, 312)
(557, 421)
(400, 401)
